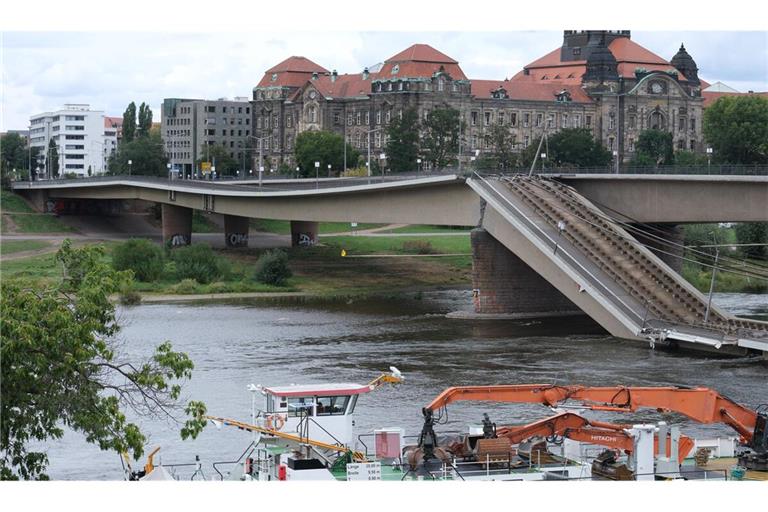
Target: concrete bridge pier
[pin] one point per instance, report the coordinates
(669, 249)
(504, 285)
(304, 233)
(177, 225)
(236, 230)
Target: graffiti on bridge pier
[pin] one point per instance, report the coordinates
(237, 240)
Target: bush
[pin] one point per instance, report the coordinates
(129, 297)
(272, 268)
(199, 262)
(418, 247)
(142, 256)
(186, 286)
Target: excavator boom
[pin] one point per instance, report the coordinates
(703, 405)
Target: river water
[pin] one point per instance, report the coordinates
(303, 341)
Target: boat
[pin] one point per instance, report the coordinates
(306, 432)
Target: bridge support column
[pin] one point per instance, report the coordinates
(177, 225)
(504, 285)
(236, 230)
(672, 255)
(303, 233)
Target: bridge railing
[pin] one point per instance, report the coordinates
(714, 169)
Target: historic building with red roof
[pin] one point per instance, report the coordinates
(597, 79)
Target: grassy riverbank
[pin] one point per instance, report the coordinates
(397, 265)
(19, 217)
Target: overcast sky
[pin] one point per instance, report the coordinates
(43, 70)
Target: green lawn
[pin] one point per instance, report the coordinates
(10, 202)
(37, 270)
(422, 228)
(283, 227)
(37, 223)
(13, 246)
(361, 245)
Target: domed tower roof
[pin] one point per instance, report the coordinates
(684, 63)
(601, 64)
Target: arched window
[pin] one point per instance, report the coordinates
(657, 121)
(312, 114)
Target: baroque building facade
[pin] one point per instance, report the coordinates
(600, 80)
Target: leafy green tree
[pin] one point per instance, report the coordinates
(13, 152)
(753, 233)
(403, 144)
(656, 145)
(440, 141)
(52, 160)
(219, 156)
(129, 123)
(272, 268)
(737, 129)
(689, 159)
(577, 147)
(501, 154)
(62, 368)
(199, 262)
(145, 120)
(324, 147)
(146, 154)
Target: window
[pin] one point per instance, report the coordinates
(500, 117)
(564, 120)
(210, 109)
(681, 144)
(513, 118)
(577, 120)
(611, 122)
(367, 118)
(74, 157)
(632, 122)
(74, 146)
(474, 141)
(288, 120)
(275, 121)
(588, 121)
(299, 406)
(388, 116)
(526, 140)
(631, 145)
(336, 117)
(239, 110)
(75, 137)
(231, 133)
(551, 120)
(693, 145)
(77, 128)
(74, 166)
(487, 120)
(473, 121)
(610, 143)
(681, 124)
(539, 119)
(377, 139)
(693, 125)
(440, 85)
(247, 110)
(400, 86)
(224, 110)
(224, 133)
(378, 117)
(350, 119)
(74, 118)
(210, 131)
(312, 114)
(332, 405)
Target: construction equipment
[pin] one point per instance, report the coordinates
(703, 405)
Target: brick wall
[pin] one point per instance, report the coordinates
(504, 284)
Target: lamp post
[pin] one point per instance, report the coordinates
(709, 158)
(616, 158)
(168, 166)
(317, 175)
(261, 172)
(418, 165)
(543, 158)
(130, 164)
(382, 157)
(298, 172)
(213, 173)
(329, 170)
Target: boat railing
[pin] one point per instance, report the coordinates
(247, 452)
(720, 474)
(414, 437)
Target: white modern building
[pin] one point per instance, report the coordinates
(80, 136)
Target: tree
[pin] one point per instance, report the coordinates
(62, 368)
(146, 154)
(501, 143)
(220, 157)
(13, 152)
(52, 162)
(752, 233)
(145, 120)
(657, 146)
(403, 141)
(737, 129)
(440, 141)
(129, 123)
(577, 147)
(324, 147)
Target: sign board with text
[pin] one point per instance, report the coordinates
(364, 471)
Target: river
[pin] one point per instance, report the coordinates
(282, 342)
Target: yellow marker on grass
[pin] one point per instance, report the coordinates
(343, 253)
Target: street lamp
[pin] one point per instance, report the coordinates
(382, 157)
(543, 157)
(709, 158)
(418, 165)
(317, 176)
(213, 172)
(329, 170)
(130, 163)
(261, 171)
(616, 157)
(168, 165)
(298, 172)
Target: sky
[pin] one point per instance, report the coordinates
(43, 70)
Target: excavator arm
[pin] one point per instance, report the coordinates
(579, 428)
(703, 405)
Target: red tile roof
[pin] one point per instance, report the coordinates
(345, 86)
(711, 97)
(420, 61)
(113, 122)
(529, 90)
(292, 72)
(629, 56)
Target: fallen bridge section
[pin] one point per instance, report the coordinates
(603, 270)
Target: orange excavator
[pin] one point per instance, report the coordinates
(700, 404)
